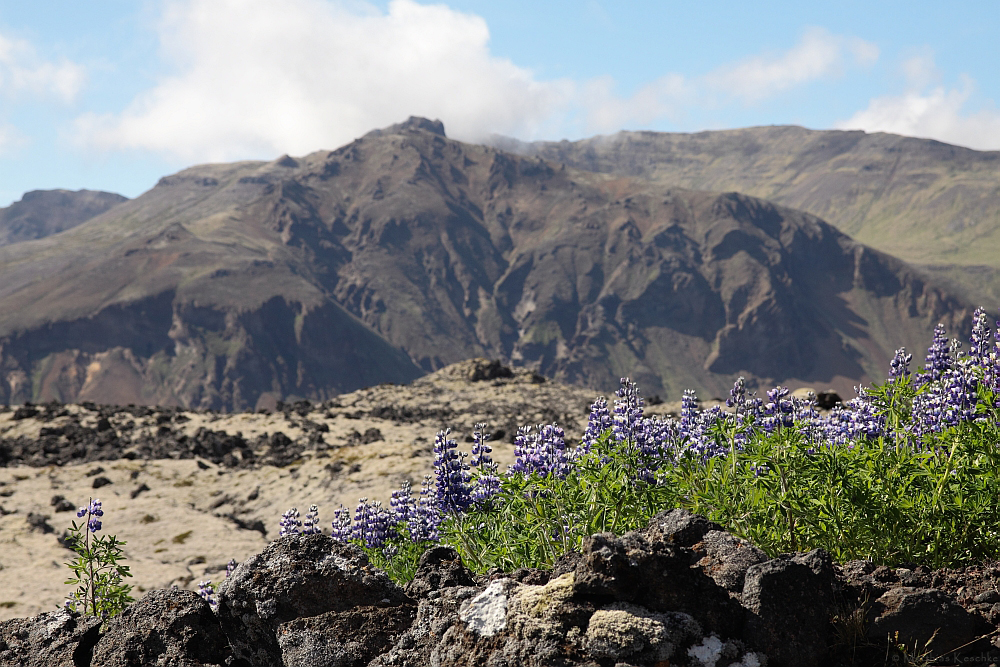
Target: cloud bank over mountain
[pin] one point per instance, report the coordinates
(257, 79)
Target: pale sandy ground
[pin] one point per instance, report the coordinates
(176, 533)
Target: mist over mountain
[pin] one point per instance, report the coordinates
(231, 286)
(41, 213)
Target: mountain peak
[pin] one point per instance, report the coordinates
(412, 124)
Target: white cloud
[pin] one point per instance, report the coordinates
(817, 55)
(929, 111)
(605, 111)
(22, 72)
(257, 77)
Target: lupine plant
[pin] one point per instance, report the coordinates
(907, 471)
(97, 573)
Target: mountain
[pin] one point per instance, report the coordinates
(41, 213)
(234, 285)
(926, 202)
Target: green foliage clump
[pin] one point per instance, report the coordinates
(97, 573)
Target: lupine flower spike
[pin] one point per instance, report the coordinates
(290, 524)
(310, 526)
(207, 592)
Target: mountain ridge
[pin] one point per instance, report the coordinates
(919, 199)
(41, 213)
(233, 286)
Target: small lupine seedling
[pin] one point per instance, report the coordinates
(96, 569)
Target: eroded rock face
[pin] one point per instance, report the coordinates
(439, 567)
(624, 631)
(655, 575)
(343, 638)
(165, 627)
(924, 618)
(297, 577)
(726, 558)
(53, 639)
(789, 602)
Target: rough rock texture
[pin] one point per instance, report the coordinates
(924, 618)
(295, 578)
(646, 598)
(164, 627)
(53, 639)
(657, 576)
(789, 602)
(727, 558)
(439, 567)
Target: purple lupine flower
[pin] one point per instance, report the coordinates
(341, 529)
(778, 411)
(310, 526)
(207, 592)
(230, 566)
(738, 396)
(899, 367)
(863, 419)
(372, 524)
(598, 422)
(290, 523)
(939, 357)
(480, 450)
(426, 519)
(542, 453)
(960, 387)
(452, 489)
(627, 417)
(807, 419)
(689, 412)
(693, 426)
(93, 512)
(487, 484)
(947, 402)
(402, 503)
(979, 347)
(655, 439)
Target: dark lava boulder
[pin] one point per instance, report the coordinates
(165, 627)
(52, 639)
(295, 578)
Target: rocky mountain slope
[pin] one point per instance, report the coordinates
(41, 213)
(924, 201)
(918, 199)
(235, 285)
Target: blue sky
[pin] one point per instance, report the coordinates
(112, 95)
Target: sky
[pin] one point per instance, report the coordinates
(112, 95)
